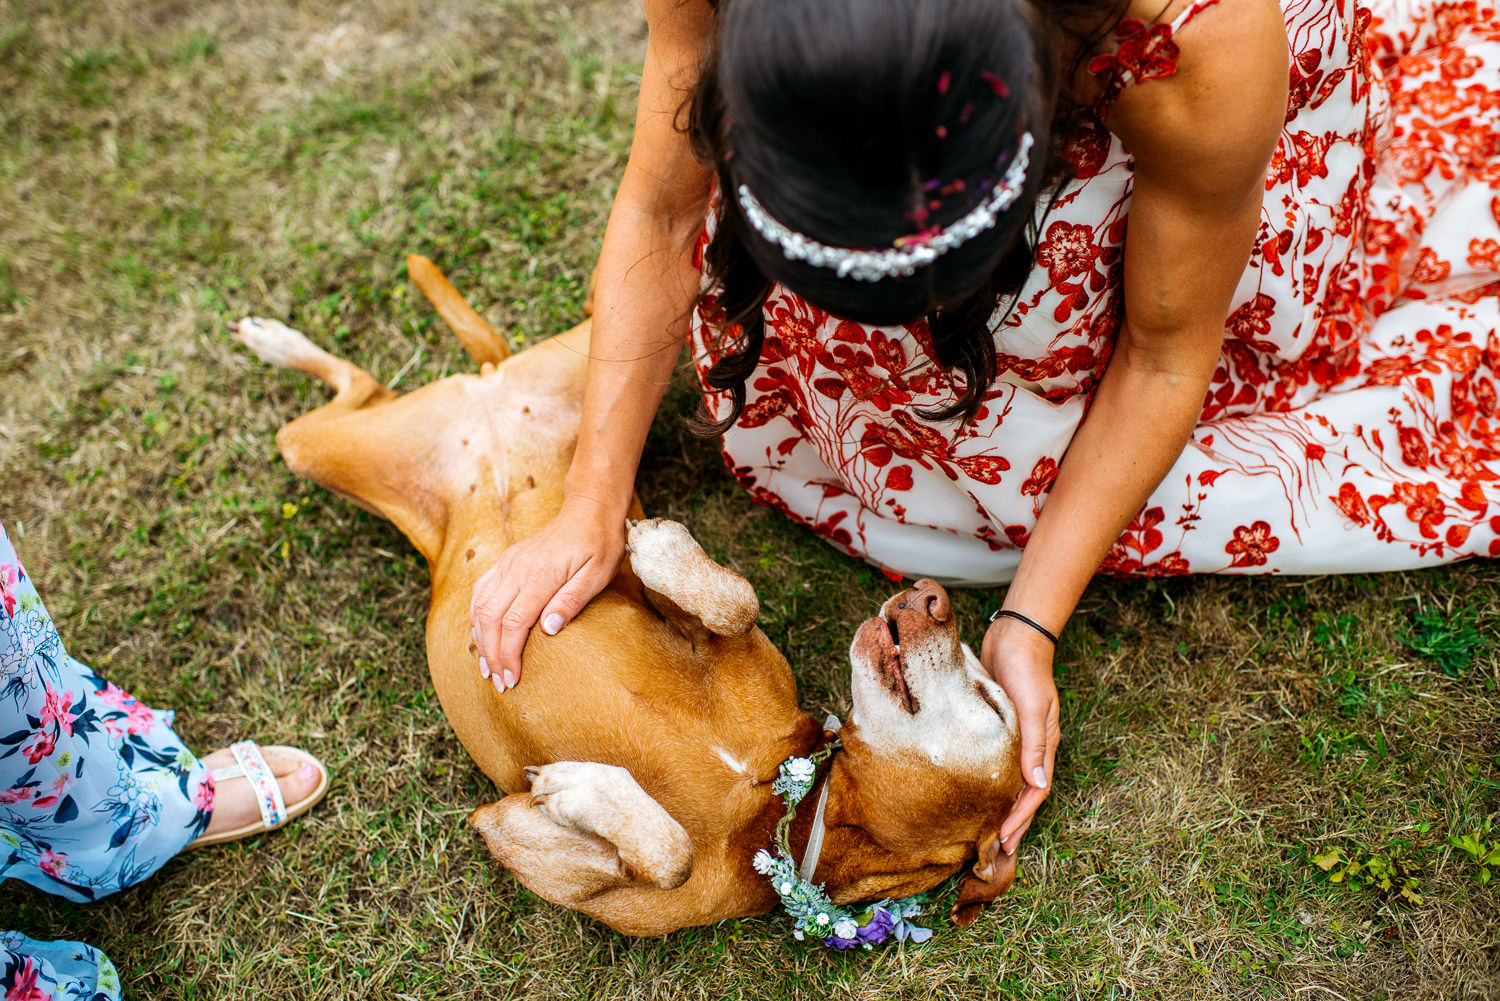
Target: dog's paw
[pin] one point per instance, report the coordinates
(273, 341)
(669, 561)
(660, 541)
(583, 795)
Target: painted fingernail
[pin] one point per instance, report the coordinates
(484, 668)
(510, 680)
(474, 635)
(552, 624)
(1039, 777)
(499, 685)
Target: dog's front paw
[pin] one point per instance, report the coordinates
(669, 561)
(659, 541)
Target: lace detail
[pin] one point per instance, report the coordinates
(1142, 52)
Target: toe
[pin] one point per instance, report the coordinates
(297, 776)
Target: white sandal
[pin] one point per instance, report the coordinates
(274, 813)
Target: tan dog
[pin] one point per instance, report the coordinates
(639, 749)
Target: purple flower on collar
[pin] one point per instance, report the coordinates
(877, 929)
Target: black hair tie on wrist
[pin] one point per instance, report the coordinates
(1030, 622)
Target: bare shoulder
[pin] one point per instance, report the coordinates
(1215, 121)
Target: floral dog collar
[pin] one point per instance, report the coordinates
(813, 913)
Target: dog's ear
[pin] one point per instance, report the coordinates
(993, 872)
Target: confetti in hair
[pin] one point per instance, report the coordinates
(996, 84)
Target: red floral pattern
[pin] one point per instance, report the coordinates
(1352, 420)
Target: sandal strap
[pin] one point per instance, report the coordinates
(267, 791)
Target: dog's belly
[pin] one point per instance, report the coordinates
(617, 686)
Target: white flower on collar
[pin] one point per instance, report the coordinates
(799, 769)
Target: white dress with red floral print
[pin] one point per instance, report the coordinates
(1352, 422)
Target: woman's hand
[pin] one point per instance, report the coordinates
(1020, 659)
(549, 577)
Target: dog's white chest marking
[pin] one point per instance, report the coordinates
(735, 764)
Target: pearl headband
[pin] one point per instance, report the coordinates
(909, 252)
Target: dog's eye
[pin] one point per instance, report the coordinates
(984, 693)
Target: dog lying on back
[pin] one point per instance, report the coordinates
(639, 751)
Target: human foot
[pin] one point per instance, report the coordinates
(237, 811)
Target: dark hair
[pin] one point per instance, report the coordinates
(858, 122)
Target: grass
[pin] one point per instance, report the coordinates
(169, 167)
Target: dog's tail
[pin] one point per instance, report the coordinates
(478, 337)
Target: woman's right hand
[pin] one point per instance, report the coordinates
(547, 578)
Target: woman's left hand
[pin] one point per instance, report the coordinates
(1020, 660)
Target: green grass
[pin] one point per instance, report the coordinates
(168, 168)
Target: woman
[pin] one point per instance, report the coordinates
(1284, 366)
(97, 792)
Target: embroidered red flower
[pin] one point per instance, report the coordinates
(762, 409)
(1088, 150)
(1439, 98)
(888, 353)
(1413, 448)
(1430, 267)
(1141, 53)
(1252, 544)
(1424, 506)
(984, 468)
(1252, 321)
(1067, 250)
(879, 442)
(925, 438)
(1352, 504)
(1141, 534)
(1040, 480)
(1484, 255)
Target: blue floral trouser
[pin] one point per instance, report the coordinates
(96, 791)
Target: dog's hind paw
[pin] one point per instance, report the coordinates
(274, 342)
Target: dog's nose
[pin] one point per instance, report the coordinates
(929, 596)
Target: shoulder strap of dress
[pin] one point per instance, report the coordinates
(1188, 14)
(1142, 52)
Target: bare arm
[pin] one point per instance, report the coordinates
(645, 288)
(1202, 140)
